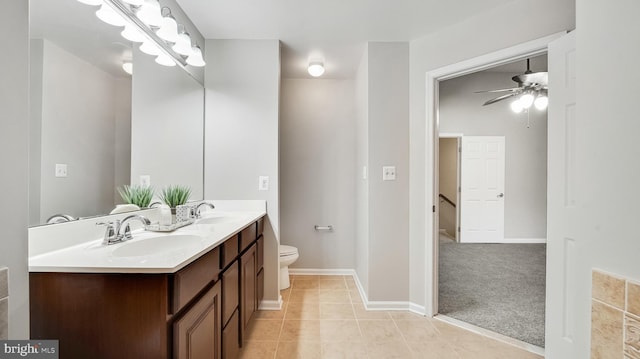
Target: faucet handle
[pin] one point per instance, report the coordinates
(110, 233)
(127, 232)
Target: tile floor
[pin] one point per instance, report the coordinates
(323, 317)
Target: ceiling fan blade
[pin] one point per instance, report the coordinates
(513, 89)
(500, 98)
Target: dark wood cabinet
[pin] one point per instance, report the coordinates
(199, 311)
(196, 335)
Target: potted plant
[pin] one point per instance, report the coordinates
(174, 196)
(138, 195)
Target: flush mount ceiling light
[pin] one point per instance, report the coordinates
(110, 16)
(195, 59)
(128, 67)
(168, 30)
(316, 68)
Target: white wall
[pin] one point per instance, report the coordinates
(167, 126)
(35, 128)
(14, 145)
(77, 133)
(317, 158)
(361, 171)
(241, 130)
(606, 151)
(487, 32)
(461, 111)
(388, 138)
(122, 154)
(448, 184)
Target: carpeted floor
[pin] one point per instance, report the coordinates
(500, 287)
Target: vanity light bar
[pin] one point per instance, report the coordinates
(133, 20)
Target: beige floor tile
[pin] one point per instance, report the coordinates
(270, 314)
(351, 283)
(298, 350)
(263, 330)
(258, 350)
(333, 284)
(336, 311)
(362, 313)
(344, 350)
(417, 330)
(285, 294)
(379, 330)
(388, 350)
(331, 277)
(405, 315)
(304, 295)
(301, 330)
(303, 283)
(303, 310)
(340, 331)
(303, 276)
(334, 296)
(355, 296)
(432, 349)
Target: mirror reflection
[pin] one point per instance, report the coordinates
(88, 114)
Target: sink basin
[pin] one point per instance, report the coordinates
(216, 219)
(158, 245)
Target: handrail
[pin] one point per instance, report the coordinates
(443, 197)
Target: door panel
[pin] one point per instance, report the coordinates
(482, 189)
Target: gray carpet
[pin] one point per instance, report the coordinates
(500, 287)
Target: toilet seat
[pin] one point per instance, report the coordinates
(287, 250)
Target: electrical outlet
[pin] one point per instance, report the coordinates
(389, 173)
(145, 180)
(263, 183)
(61, 170)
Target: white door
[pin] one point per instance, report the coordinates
(482, 189)
(562, 222)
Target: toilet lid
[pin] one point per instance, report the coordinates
(287, 250)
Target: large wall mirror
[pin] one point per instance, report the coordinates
(93, 126)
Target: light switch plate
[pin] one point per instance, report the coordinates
(145, 180)
(389, 173)
(61, 170)
(263, 183)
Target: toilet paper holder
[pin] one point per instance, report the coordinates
(323, 228)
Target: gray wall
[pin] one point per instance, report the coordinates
(490, 31)
(461, 111)
(606, 152)
(35, 127)
(14, 144)
(362, 168)
(241, 128)
(78, 114)
(317, 157)
(448, 184)
(122, 154)
(167, 126)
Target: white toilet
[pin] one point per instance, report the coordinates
(288, 255)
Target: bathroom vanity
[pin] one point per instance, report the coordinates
(150, 299)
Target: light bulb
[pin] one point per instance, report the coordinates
(526, 100)
(149, 13)
(316, 69)
(91, 2)
(150, 48)
(165, 60)
(128, 67)
(183, 44)
(516, 106)
(195, 59)
(132, 34)
(168, 29)
(541, 102)
(110, 16)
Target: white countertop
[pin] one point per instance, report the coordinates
(142, 254)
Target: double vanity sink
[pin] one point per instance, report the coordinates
(185, 294)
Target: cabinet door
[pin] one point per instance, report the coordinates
(230, 291)
(231, 338)
(260, 286)
(260, 252)
(248, 285)
(197, 334)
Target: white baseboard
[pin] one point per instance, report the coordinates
(369, 305)
(271, 304)
(514, 241)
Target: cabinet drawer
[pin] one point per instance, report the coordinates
(248, 236)
(260, 227)
(191, 279)
(230, 291)
(229, 251)
(260, 252)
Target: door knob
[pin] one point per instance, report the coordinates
(500, 195)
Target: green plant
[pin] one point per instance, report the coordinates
(139, 195)
(174, 196)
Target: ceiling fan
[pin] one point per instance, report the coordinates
(532, 90)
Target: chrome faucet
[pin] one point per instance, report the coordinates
(199, 207)
(119, 230)
(60, 218)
